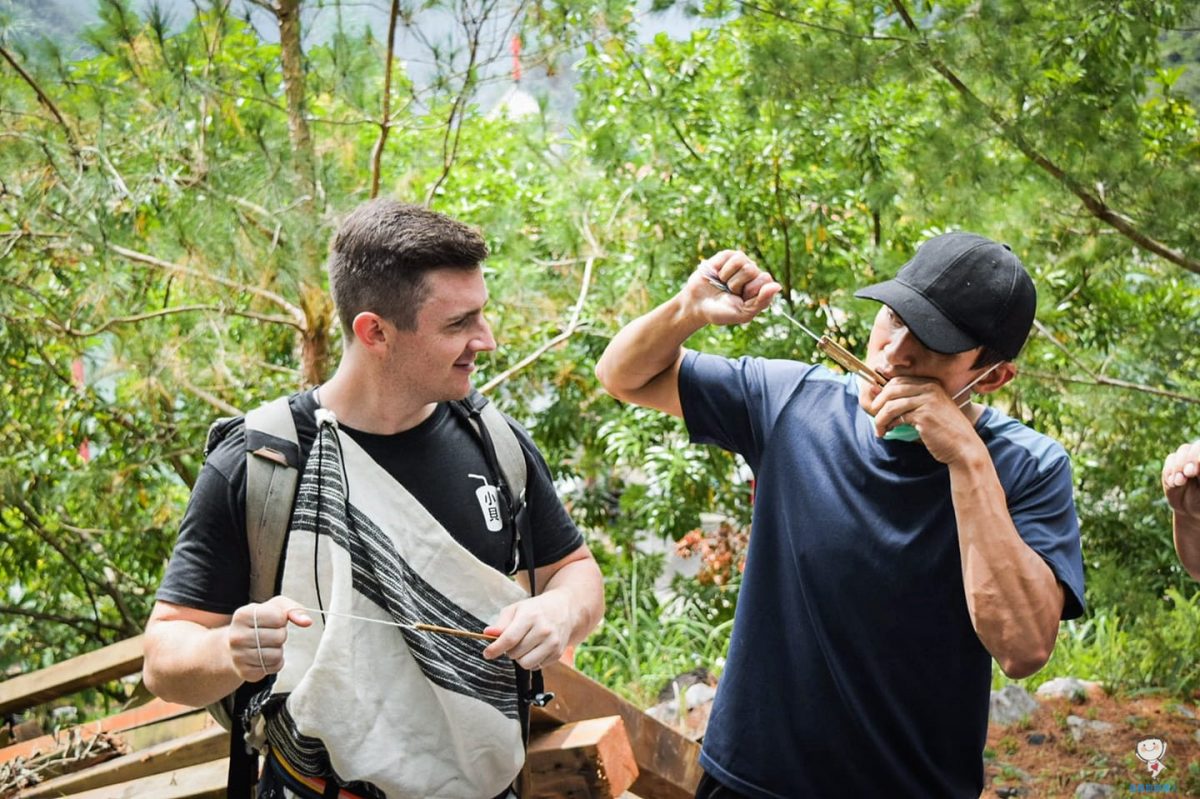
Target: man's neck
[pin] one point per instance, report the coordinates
(362, 404)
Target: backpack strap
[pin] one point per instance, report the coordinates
(272, 472)
(489, 423)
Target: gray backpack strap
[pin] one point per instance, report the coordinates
(272, 472)
(509, 453)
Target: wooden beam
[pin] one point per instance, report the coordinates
(668, 763)
(86, 671)
(584, 760)
(152, 711)
(198, 747)
(203, 781)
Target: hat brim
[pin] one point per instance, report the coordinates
(931, 327)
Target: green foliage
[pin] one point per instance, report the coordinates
(1152, 650)
(820, 137)
(643, 643)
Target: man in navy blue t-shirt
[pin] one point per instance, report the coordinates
(903, 535)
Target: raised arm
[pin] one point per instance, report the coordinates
(641, 363)
(1181, 485)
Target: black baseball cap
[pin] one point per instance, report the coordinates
(961, 291)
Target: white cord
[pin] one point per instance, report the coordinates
(409, 625)
(258, 644)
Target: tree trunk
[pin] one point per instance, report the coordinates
(292, 56)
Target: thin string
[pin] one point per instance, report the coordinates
(408, 625)
(258, 644)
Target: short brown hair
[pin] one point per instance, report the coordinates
(382, 251)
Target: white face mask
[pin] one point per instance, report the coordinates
(906, 432)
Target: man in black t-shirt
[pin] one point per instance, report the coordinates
(410, 294)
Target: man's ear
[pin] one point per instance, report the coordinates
(371, 331)
(1001, 376)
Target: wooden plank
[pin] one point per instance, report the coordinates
(203, 781)
(86, 671)
(584, 760)
(148, 735)
(198, 747)
(152, 711)
(668, 763)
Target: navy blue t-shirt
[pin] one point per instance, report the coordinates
(853, 668)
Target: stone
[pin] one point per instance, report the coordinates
(1036, 739)
(1080, 727)
(1011, 704)
(1070, 688)
(1094, 790)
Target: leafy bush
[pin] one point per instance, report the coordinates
(1155, 651)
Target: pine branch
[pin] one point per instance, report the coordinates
(1091, 201)
(568, 331)
(1094, 379)
(135, 318)
(43, 99)
(298, 319)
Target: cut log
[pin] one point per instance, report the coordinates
(203, 781)
(198, 747)
(668, 763)
(584, 760)
(86, 671)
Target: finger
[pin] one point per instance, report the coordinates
(513, 633)
(266, 616)
(738, 272)
(538, 657)
(763, 295)
(292, 610)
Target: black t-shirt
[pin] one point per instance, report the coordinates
(440, 461)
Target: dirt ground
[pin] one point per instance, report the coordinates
(1040, 757)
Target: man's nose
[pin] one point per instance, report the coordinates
(483, 340)
(902, 347)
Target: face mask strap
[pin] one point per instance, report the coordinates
(971, 385)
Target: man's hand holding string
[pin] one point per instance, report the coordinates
(257, 633)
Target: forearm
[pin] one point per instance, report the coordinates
(647, 350)
(1187, 542)
(1013, 597)
(581, 587)
(188, 663)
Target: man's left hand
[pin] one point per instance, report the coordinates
(945, 430)
(534, 632)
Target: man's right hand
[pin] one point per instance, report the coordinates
(751, 289)
(255, 653)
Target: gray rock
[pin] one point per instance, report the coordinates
(1011, 704)
(1080, 727)
(1094, 790)
(1067, 688)
(1182, 710)
(699, 694)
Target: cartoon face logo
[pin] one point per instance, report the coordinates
(1151, 751)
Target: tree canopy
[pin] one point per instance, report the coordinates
(166, 200)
